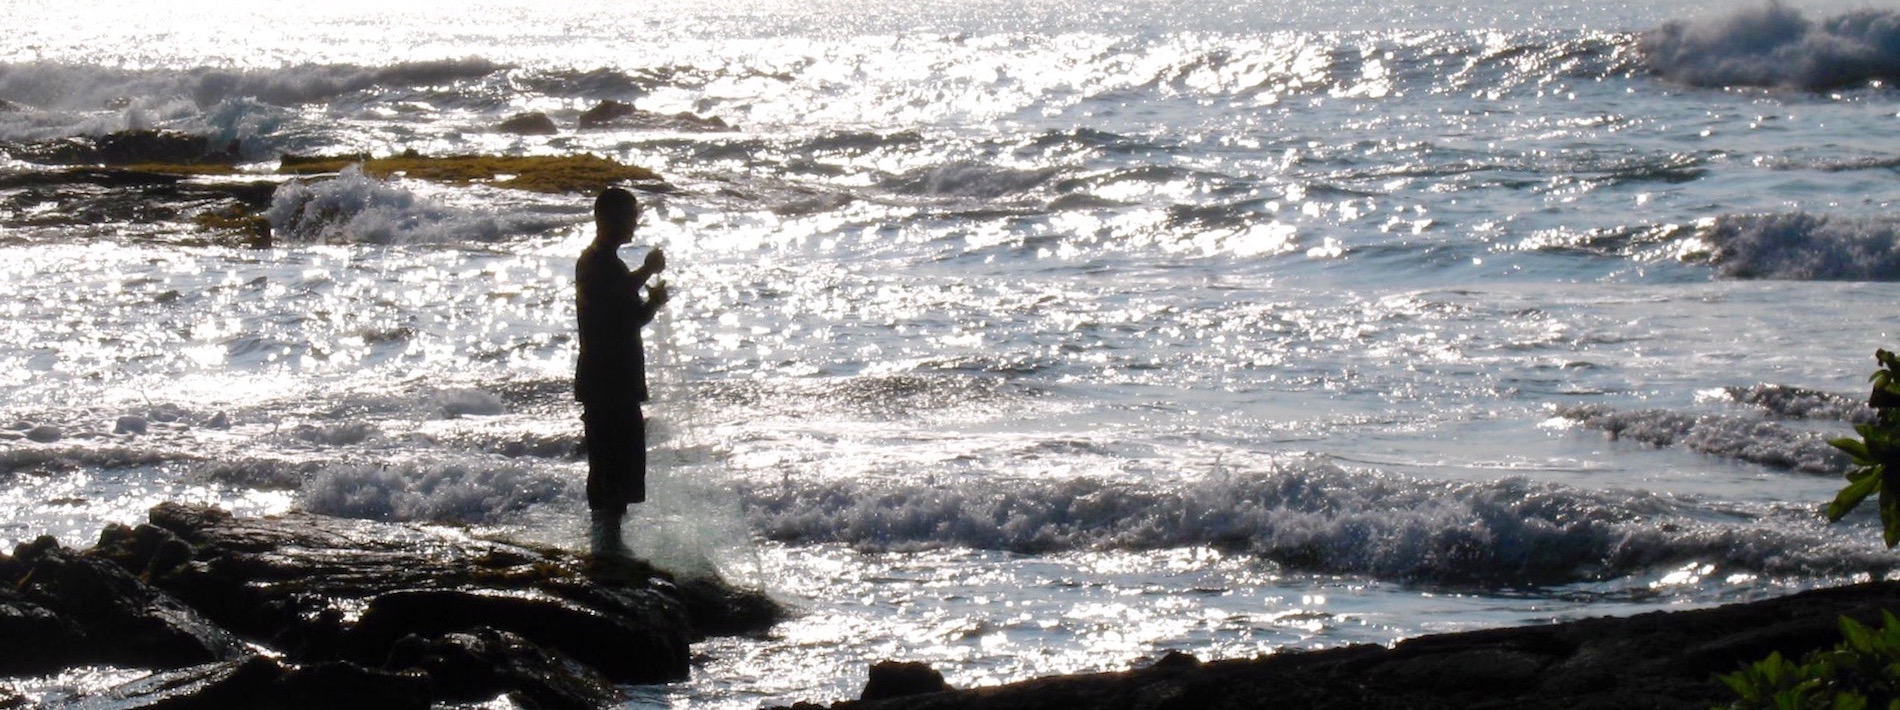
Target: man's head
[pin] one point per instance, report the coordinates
(615, 213)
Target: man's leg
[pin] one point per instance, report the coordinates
(611, 453)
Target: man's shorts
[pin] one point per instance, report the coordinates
(616, 457)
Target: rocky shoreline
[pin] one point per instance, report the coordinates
(306, 611)
(301, 610)
(1661, 660)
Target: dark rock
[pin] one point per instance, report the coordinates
(348, 685)
(148, 551)
(444, 617)
(81, 608)
(1654, 660)
(130, 424)
(529, 124)
(45, 434)
(895, 679)
(261, 682)
(1176, 660)
(131, 148)
(210, 686)
(295, 582)
(38, 640)
(651, 652)
(606, 113)
(484, 663)
(615, 114)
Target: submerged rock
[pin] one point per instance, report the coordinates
(606, 112)
(529, 124)
(403, 606)
(130, 424)
(45, 434)
(616, 114)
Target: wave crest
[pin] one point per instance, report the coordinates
(355, 208)
(1803, 246)
(1314, 517)
(1776, 46)
(448, 493)
(1748, 439)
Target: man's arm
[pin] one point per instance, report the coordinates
(656, 292)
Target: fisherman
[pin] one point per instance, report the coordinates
(610, 377)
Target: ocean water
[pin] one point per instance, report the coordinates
(1017, 338)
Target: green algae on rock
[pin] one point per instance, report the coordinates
(535, 173)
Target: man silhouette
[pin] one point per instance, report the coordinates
(610, 377)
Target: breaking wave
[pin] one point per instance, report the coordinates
(1320, 517)
(61, 86)
(1802, 403)
(1776, 46)
(1749, 439)
(1804, 246)
(355, 208)
(439, 493)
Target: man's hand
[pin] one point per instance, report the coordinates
(656, 293)
(655, 263)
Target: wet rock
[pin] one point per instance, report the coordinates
(1176, 660)
(895, 679)
(326, 590)
(261, 682)
(606, 113)
(348, 685)
(219, 421)
(130, 424)
(130, 148)
(482, 664)
(74, 608)
(45, 434)
(616, 114)
(529, 124)
(1653, 660)
(167, 413)
(652, 652)
(207, 686)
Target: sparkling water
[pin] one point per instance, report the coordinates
(1017, 338)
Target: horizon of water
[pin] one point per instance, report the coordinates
(1019, 338)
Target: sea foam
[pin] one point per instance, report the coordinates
(1804, 246)
(1315, 516)
(458, 493)
(1749, 439)
(355, 208)
(1776, 46)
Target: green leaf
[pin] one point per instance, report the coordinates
(1890, 514)
(1854, 448)
(1850, 497)
(1859, 637)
